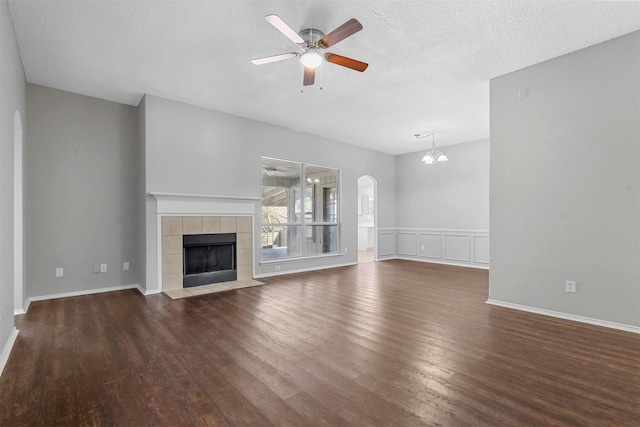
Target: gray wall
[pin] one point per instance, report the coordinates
(565, 175)
(12, 99)
(451, 195)
(200, 151)
(81, 199)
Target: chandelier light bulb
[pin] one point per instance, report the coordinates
(427, 159)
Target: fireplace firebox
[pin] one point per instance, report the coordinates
(209, 258)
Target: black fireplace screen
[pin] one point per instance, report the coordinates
(209, 258)
(204, 259)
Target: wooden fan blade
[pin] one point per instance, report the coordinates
(282, 26)
(346, 62)
(274, 58)
(350, 27)
(309, 76)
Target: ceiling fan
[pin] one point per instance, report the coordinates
(312, 41)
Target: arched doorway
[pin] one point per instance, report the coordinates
(18, 293)
(367, 221)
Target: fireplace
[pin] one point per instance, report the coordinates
(209, 258)
(175, 227)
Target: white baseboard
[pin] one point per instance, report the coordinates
(434, 261)
(21, 311)
(560, 315)
(301, 270)
(6, 350)
(145, 292)
(80, 293)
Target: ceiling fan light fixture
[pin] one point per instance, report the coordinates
(311, 59)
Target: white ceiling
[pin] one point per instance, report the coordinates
(429, 62)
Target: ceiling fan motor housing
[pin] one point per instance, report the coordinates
(311, 37)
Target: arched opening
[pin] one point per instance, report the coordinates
(367, 219)
(18, 293)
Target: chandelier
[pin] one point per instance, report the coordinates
(432, 155)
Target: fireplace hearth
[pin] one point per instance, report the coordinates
(209, 258)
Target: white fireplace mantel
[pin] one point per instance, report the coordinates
(203, 204)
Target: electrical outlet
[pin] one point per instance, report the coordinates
(59, 272)
(103, 268)
(346, 250)
(570, 286)
(276, 268)
(422, 247)
(125, 266)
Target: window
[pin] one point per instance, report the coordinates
(299, 210)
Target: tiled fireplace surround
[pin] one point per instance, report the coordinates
(174, 227)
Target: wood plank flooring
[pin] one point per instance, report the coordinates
(394, 343)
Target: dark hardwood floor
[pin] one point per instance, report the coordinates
(393, 343)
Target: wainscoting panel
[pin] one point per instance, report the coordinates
(386, 243)
(407, 244)
(450, 246)
(457, 247)
(481, 249)
(431, 245)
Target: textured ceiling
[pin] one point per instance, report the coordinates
(429, 62)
